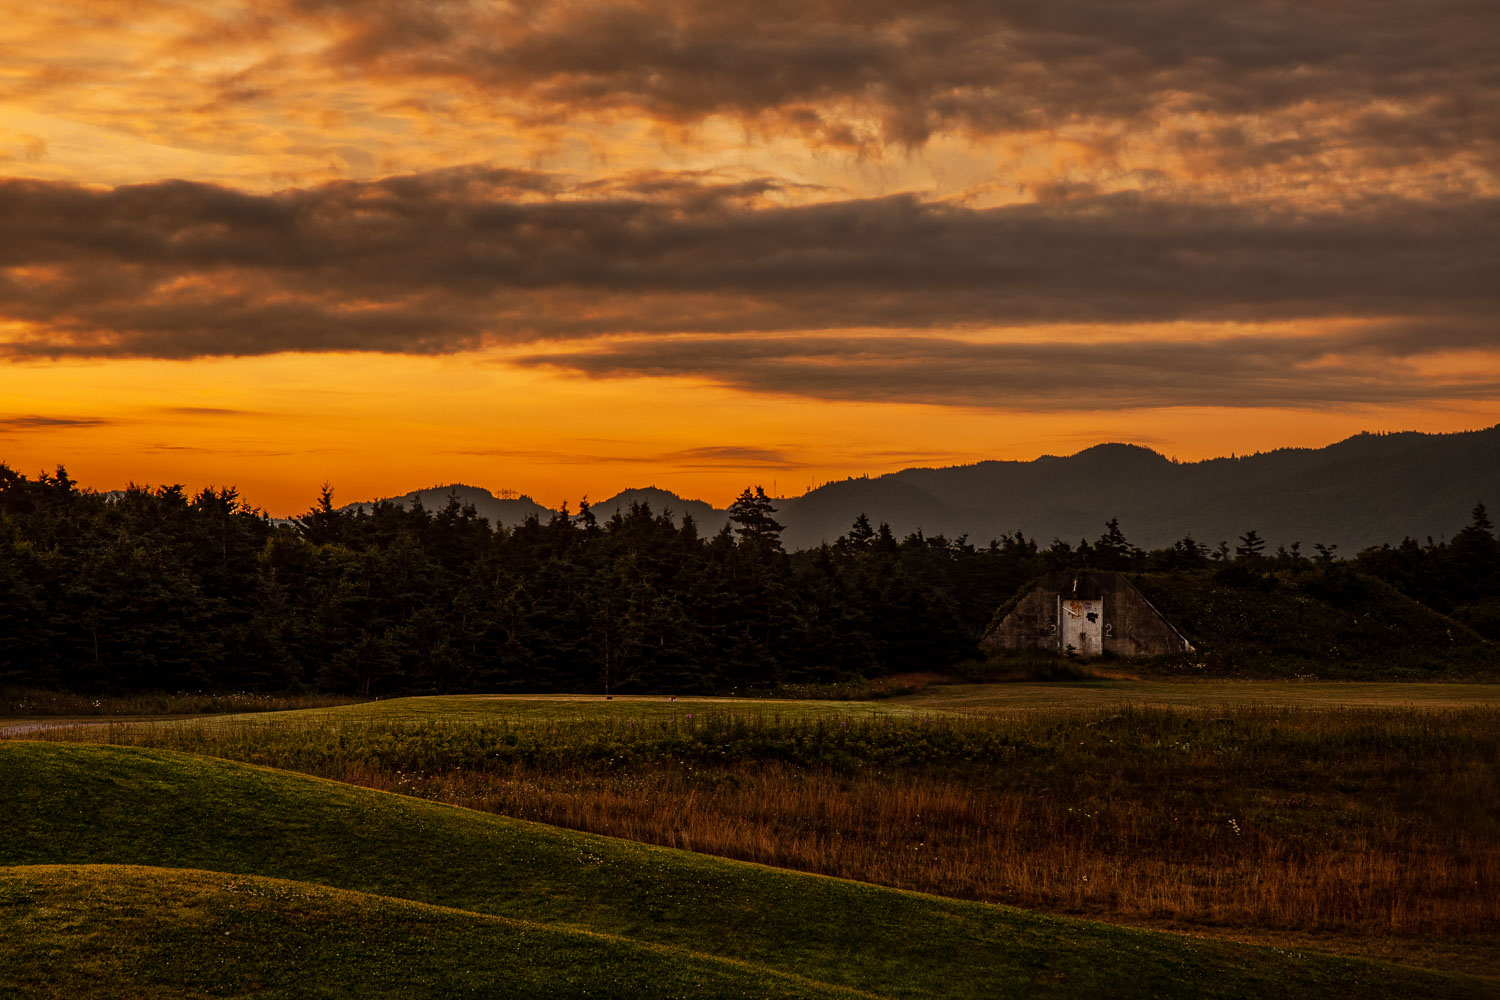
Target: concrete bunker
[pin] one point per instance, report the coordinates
(1086, 614)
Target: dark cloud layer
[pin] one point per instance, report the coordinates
(205, 411)
(1239, 372)
(446, 261)
(1413, 79)
(688, 459)
(27, 422)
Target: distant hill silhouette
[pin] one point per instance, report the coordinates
(1366, 490)
(710, 519)
(1363, 491)
(508, 511)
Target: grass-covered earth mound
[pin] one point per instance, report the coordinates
(138, 932)
(1336, 623)
(74, 805)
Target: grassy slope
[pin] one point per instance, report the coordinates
(64, 804)
(128, 931)
(1338, 624)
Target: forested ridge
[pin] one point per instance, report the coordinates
(160, 589)
(1366, 490)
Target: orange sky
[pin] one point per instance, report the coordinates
(573, 248)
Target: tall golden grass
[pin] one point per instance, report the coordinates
(1123, 857)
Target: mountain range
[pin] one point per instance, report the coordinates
(1365, 490)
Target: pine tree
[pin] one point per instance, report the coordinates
(1112, 550)
(1188, 552)
(751, 513)
(1475, 555)
(1251, 546)
(1481, 520)
(586, 518)
(322, 525)
(861, 534)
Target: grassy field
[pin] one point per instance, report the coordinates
(1352, 817)
(138, 932)
(712, 919)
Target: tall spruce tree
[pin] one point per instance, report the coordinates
(1252, 547)
(751, 514)
(322, 525)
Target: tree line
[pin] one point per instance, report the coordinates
(160, 589)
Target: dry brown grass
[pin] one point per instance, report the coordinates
(1111, 860)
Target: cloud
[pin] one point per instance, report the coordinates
(853, 72)
(35, 422)
(730, 456)
(707, 457)
(688, 274)
(458, 259)
(1299, 372)
(205, 411)
(1304, 99)
(223, 450)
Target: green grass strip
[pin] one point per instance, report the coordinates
(126, 932)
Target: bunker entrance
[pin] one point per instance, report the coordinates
(1081, 625)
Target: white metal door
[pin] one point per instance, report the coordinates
(1082, 626)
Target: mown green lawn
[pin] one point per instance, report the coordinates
(129, 932)
(82, 804)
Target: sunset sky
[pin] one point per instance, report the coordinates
(570, 248)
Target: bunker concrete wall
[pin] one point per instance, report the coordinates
(1031, 623)
(1132, 627)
